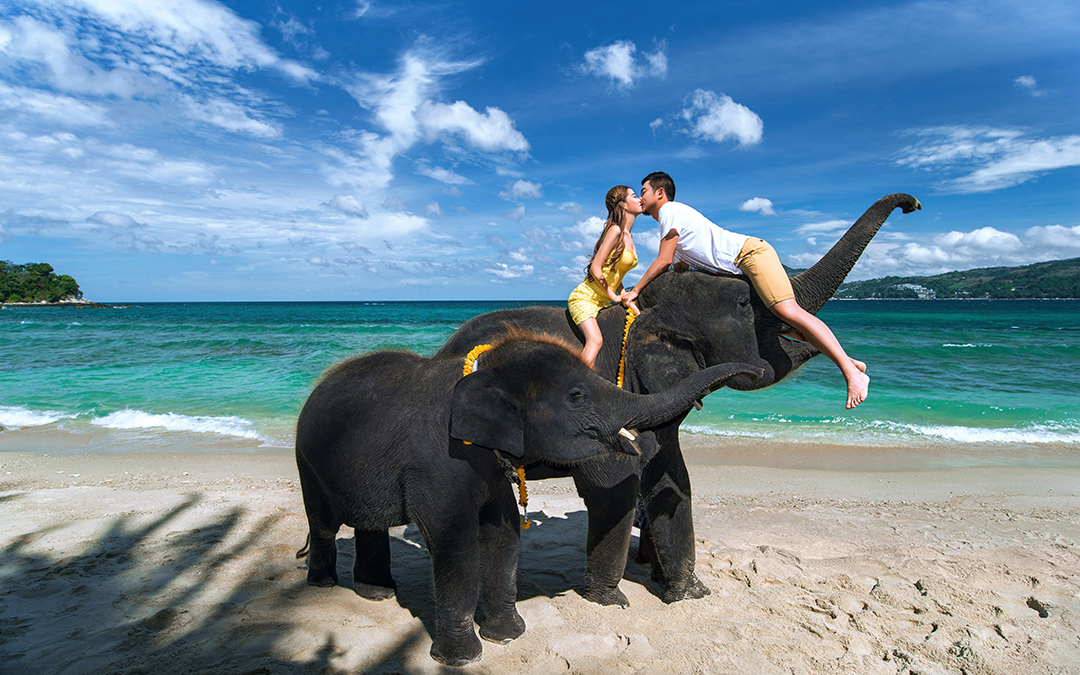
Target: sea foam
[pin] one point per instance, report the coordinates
(138, 419)
(13, 417)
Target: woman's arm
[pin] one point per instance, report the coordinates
(667, 253)
(596, 267)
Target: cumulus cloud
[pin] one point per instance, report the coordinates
(517, 214)
(404, 106)
(618, 62)
(758, 204)
(522, 189)
(347, 204)
(719, 118)
(986, 158)
(955, 250)
(582, 235)
(1030, 85)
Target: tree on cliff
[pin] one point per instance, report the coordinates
(34, 282)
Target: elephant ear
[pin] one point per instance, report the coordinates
(484, 414)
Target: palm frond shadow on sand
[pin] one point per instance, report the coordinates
(187, 592)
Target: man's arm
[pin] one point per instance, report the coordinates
(667, 253)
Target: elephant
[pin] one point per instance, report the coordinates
(390, 438)
(689, 321)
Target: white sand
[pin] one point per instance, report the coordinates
(156, 563)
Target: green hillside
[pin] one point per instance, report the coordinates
(1055, 279)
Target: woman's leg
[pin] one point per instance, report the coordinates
(594, 339)
(818, 334)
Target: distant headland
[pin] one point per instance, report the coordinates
(1056, 279)
(38, 285)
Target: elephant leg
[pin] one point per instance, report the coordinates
(455, 562)
(611, 519)
(371, 571)
(665, 488)
(500, 546)
(322, 529)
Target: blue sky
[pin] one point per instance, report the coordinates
(200, 150)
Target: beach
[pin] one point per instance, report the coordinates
(184, 562)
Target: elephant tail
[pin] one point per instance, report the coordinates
(304, 549)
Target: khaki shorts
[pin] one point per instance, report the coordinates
(758, 261)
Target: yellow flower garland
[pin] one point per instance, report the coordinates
(630, 316)
(523, 492)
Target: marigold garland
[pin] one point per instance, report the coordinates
(630, 316)
(470, 360)
(523, 498)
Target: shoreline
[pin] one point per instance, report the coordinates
(185, 562)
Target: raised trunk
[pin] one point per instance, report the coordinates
(815, 286)
(655, 409)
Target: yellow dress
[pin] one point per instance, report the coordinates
(588, 298)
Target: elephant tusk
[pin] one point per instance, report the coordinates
(626, 434)
(698, 406)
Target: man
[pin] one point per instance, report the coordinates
(687, 236)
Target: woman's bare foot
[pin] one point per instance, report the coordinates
(860, 365)
(858, 386)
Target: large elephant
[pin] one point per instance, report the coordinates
(380, 442)
(689, 321)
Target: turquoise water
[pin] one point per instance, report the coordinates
(999, 378)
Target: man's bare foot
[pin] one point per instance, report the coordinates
(859, 364)
(858, 386)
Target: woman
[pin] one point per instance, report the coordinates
(613, 256)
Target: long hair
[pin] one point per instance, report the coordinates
(616, 214)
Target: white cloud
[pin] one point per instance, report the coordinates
(4, 236)
(1028, 84)
(719, 118)
(442, 175)
(57, 108)
(230, 117)
(491, 131)
(825, 227)
(954, 250)
(989, 158)
(573, 208)
(504, 271)
(433, 209)
(347, 204)
(404, 106)
(582, 235)
(517, 214)
(522, 189)
(617, 62)
(758, 204)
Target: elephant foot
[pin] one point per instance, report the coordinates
(692, 589)
(606, 596)
(502, 629)
(460, 652)
(322, 578)
(373, 592)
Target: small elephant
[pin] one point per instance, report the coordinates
(381, 442)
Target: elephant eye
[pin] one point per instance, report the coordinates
(575, 397)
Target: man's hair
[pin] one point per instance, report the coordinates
(661, 181)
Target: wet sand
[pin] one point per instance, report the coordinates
(175, 563)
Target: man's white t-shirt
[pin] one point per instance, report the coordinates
(702, 243)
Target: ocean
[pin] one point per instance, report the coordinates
(954, 383)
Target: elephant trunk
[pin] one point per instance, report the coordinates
(815, 286)
(656, 409)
